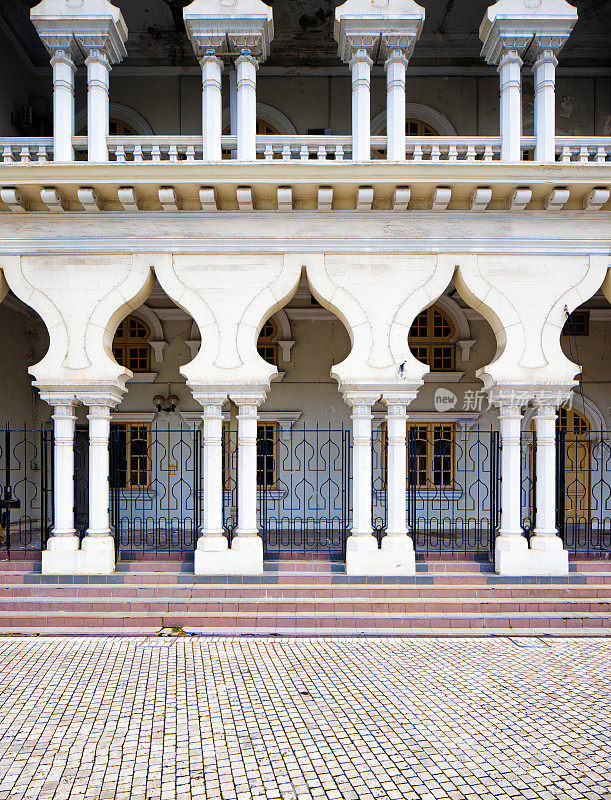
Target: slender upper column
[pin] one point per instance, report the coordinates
(360, 68)
(544, 71)
(212, 68)
(246, 117)
(98, 80)
(511, 30)
(63, 105)
(367, 32)
(510, 66)
(212, 416)
(97, 29)
(247, 462)
(64, 422)
(395, 66)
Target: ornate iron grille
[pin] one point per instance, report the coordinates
(583, 491)
(26, 489)
(155, 487)
(303, 489)
(453, 486)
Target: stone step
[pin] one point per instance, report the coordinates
(253, 591)
(253, 621)
(263, 605)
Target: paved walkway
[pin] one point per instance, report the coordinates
(195, 717)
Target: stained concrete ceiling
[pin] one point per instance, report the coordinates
(304, 33)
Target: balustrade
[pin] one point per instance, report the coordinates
(468, 149)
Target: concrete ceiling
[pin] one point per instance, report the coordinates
(304, 33)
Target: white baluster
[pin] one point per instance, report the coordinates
(471, 153)
(190, 153)
(24, 155)
(600, 155)
(339, 152)
(584, 155)
(304, 153)
(452, 153)
(120, 154)
(435, 153)
(138, 154)
(322, 152)
(417, 152)
(173, 154)
(488, 153)
(155, 153)
(7, 155)
(42, 154)
(268, 153)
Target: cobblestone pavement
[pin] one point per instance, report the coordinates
(195, 717)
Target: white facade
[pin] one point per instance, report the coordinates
(342, 238)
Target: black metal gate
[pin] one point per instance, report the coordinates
(453, 488)
(155, 487)
(583, 491)
(303, 481)
(26, 489)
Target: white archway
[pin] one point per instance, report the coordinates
(431, 116)
(118, 111)
(268, 113)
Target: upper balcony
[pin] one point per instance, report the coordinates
(378, 40)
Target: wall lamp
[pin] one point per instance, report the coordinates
(168, 403)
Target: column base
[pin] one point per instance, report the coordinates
(214, 557)
(95, 557)
(512, 557)
(395, 557)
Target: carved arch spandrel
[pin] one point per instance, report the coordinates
(229, 297)
(81, 300)
(527, 315)
(377, 298)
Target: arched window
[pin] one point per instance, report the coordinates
(264, 128)
(431, 340)
(130, 347)
(266, 344)
(413, 127)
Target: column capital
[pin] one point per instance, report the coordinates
(247, 402)
(377, 26)
(62, 55)
(545, 56)
(97, 56)
(361, 402)
(397, 49)
(394, 399)
(57, 399)
(98, 25)
(246, 58)
(360, 55)
(212, 399)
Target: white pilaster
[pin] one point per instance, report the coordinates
(63, 105)
(246, 66)
(395, 66)
(98, 76)
(544, 71)
(510, 66)
(211, 107)
(360, 68)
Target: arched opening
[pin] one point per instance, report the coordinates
(155, 438)
(26, 438)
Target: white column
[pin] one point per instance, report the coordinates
(233, 102)
(396, 467)
(247, 463)
(98, 546)
(511, 545)
(64, 536)
(246, 107)
(360, 67)
(211, 107)
(63, 105)
(212, 534)
(544, 71)
(361, 464)
(545, 533)
(98, 75)
(395, 67)
(509, 70)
